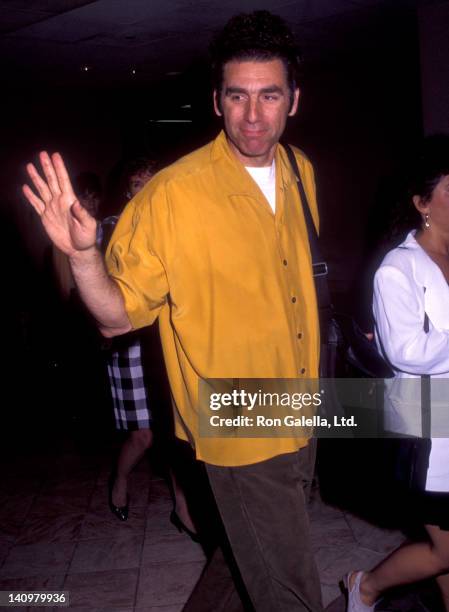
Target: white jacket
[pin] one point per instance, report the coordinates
(408, 285)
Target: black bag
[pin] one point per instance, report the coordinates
(411, 462)
(360, 354)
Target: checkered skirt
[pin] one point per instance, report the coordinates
(129, 392)
(124, 360)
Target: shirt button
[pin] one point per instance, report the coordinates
(303, 370)
(299, 336)
(293, 300)
(285, 262)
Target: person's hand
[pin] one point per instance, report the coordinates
(70, 227)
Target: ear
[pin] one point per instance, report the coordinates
(421, 206)
(216, 104)
(295, 102)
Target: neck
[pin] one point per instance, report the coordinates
(434, 241)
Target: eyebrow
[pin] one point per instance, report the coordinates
(264, 90)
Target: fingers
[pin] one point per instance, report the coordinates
(56, 193)
(80, 213)
(62, 176)
(50, 173)
(39, 183)
(35, 202)
(84, 227)
(57, 183)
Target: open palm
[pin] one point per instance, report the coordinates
(70, 227)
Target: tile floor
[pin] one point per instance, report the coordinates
(56, 532)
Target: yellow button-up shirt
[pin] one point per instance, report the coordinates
(231, 283)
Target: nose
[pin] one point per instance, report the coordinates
(252, 110)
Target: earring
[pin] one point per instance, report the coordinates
(426, 221)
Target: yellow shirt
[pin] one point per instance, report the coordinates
(231, 283)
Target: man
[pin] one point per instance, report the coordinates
(216, 247)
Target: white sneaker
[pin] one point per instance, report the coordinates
(355, 604)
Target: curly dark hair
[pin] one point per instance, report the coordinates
(258, 36)
(138, 165)
(420, 174)
(87, 182)
(430, 167)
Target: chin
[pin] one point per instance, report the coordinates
(250, 149)
(255, 151)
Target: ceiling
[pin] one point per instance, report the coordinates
(110, 42)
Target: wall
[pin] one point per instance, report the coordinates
(434, 58)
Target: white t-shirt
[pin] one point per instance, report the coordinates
(265, 178)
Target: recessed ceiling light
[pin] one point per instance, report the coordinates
(173, 73)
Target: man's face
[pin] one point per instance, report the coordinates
(138, 181)
(255, 102)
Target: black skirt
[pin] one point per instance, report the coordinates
(432, 508)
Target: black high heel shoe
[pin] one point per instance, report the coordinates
(121, 512)
(176, 521)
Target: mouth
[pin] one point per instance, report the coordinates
(253, 133)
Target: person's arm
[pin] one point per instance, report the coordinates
(398, 309)
(100, 293)
(73, 231)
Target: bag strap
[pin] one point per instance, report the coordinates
(319, 266)
(318, 263)
(425, 395)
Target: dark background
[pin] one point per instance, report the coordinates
(375, 80)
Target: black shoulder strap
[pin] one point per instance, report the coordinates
(311, 229)
(425, 395)
(318, 264)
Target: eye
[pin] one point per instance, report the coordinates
(237, 97)
(271, 97)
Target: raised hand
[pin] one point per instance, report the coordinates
(70, 227)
